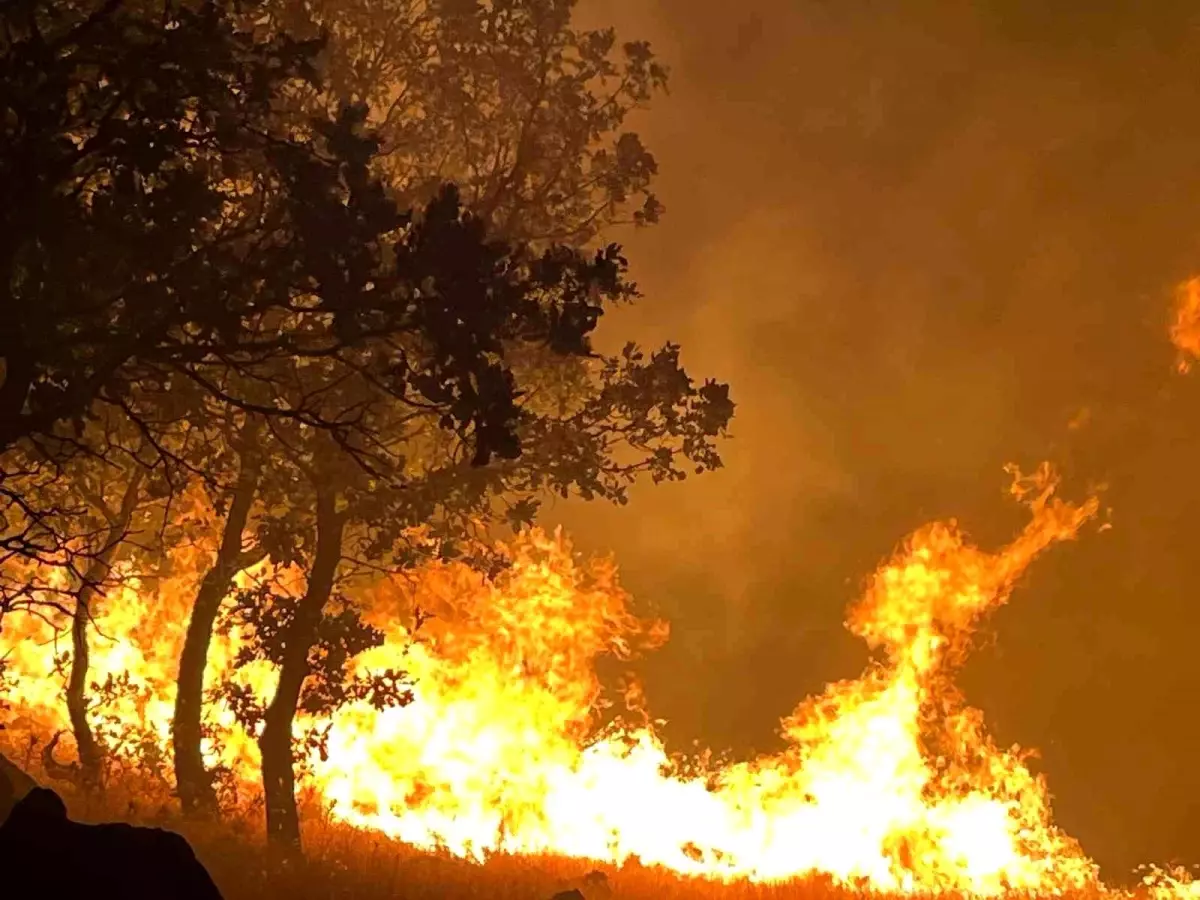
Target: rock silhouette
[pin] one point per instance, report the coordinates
(14, 784)
(42, 848)
(591, 886)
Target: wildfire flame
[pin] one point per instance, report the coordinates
(1185, 326)
(888, 781)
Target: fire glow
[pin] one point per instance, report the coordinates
(888, 781)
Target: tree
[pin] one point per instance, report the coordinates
(135, 187)
(193, 781)
(509, 100)
(484, 303)
(140, 132)
(194, 254)
(119, 506)
(134, 178)
(524, 111)
(111, 538)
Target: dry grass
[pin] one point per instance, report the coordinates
(348, 864)
(344, 863)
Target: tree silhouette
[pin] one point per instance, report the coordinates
(482, 302)
(138, 193)
(136, 187)
(508, 99)
(280, 296)
(526, 113)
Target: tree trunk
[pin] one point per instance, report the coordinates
(91, 755)
(193, 780)
(283, 819)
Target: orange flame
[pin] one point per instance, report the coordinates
(888, 781)
(1185, 327)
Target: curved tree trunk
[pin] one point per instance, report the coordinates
(91, 755)
(279, 786)
(193, 780)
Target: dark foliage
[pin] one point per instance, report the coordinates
(173, 250)
(509, 99)
(217, 270)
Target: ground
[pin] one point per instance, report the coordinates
(344, 863)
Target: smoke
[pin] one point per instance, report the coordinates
(918, 239)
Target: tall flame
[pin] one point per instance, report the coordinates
(1185, 324)
(888, 781)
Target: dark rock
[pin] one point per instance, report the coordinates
(42, 848)
(14, 784)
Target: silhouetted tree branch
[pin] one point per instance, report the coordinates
(272, 293)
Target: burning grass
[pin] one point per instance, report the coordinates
(888, 781)
(349, 863)
(362, 866)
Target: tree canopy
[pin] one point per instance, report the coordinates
(509, 99)
(336, 265)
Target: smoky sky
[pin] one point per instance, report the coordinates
(921, 240)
